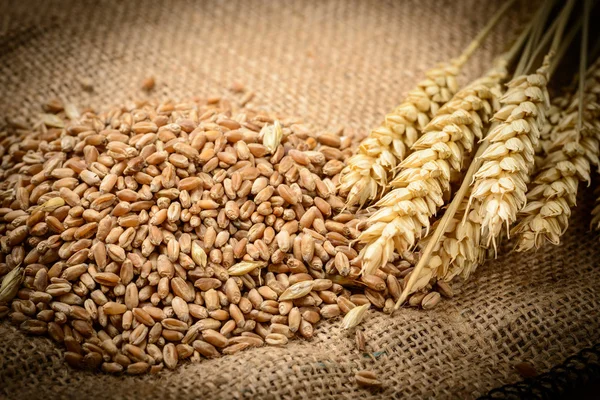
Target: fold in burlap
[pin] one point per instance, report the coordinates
(331, 63)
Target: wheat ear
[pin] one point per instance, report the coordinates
(572, 151)
(500, 183)
(440, 259)
(424, 175)
(367, 173)
(459, 250)
(430, 262)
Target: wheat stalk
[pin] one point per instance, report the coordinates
(424, 176)
(367, 173)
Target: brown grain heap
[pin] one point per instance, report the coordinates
(153, 233)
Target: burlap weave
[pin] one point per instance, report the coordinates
(330, 62)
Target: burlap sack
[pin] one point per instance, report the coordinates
(330, 62)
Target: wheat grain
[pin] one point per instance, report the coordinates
(501, 181)
(367, 378)
(355, 316)
(424, 177)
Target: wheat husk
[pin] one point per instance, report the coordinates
(10, 284)
(459, 249)
(355, 316)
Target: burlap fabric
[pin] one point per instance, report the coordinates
(330, 62)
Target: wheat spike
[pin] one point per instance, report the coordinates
(367, 172)
(555, 114)
(424, 176)
(570, 155)
(570, 149)
(500, 183)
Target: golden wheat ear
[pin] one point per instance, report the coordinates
(572, 150)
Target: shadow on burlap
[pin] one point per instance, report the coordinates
(331, 63)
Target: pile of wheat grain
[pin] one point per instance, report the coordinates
(154, 233)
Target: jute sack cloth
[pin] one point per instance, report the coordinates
(331, 63)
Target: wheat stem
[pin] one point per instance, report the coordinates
(565, 46)
(537, 25)
(476, 42)
(563, 19)
(587, 5)
(541, 47)
(555, 32)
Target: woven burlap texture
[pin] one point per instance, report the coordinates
(331, 63)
